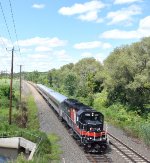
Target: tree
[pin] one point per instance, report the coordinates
(127, 75)
(70, 84)
(86, 70)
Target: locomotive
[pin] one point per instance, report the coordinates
(86, 124)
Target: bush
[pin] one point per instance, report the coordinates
(145, 133)
(4, 102)
(119, 115)
(5, 90)
(101, 98)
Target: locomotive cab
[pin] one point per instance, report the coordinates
(91, 121)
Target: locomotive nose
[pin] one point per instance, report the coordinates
(95, 129)
(94, 126)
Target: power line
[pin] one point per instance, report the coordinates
(12, 15)
(4, 45)
(6, 22)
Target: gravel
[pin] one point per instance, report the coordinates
(72, 153)
(134, 143)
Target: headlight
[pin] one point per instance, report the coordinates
(98, 129)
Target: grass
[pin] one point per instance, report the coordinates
(48, 149)
(55, 148)
(33, 122)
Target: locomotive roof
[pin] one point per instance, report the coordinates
(78, 105)
(57, 96)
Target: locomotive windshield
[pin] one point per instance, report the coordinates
(92, 121)
(92, 117)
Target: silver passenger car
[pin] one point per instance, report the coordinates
(54, 98)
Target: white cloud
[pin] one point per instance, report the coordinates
(38, 41)
(36, 54)
(38, 6)
(86, 54)
(98, 56)
(42, 49)
(142, 31)
(119, 34)
(25, 50)
(126, 1)
(82, 8)
(62, 56)
(124, 15)
(39, 56)
(5, 42)
(92, 45)
(89, 16)
(87, 11)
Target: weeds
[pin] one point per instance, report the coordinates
(25, 124)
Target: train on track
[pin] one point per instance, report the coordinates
(85, 123)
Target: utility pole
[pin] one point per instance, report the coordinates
(11, 83)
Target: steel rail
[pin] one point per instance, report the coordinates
(133, 155)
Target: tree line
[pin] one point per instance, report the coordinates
(124, 76)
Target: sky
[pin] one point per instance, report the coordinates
(48, 34)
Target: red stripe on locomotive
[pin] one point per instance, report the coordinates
(90, 134)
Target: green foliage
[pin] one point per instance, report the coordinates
(21, 159)
(4, 102)
(36, 76)
(32, 114)
(48, 149)
(5, 94)
(145, 132)
(78, 80)
(128, 76)
(86, 70)
(70, 84)
(101, 99)
(5, 90)
(55, 148)
(118, 115)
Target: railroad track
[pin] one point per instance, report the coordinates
(128, 153)
(93, 157)
(98, 158)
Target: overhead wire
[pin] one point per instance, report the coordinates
(8, 29)
(14, 26)
(6, 23)
(13, 20)
(3, 43)
(4, 47)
